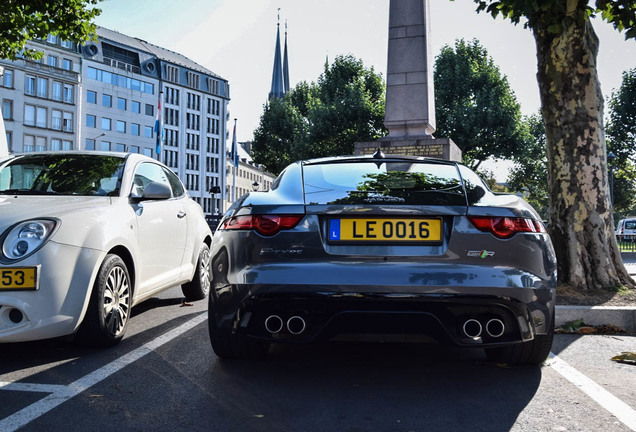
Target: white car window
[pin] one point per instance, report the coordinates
(148, 172)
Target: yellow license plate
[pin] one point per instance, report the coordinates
(18, 278)
(393, 230)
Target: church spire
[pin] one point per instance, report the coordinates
(285, 64)
(277, 91)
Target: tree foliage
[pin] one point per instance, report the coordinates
(621, 137)
(23, 20)
(529, 174)
(475, 106)
(572, 105)
(326, 118)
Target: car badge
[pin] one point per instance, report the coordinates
(480, 254)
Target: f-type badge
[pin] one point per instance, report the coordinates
(480, 254)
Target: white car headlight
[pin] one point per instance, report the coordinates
(27, 237)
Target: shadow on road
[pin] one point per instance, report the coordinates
(374, 386)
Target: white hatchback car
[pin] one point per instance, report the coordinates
(84, 236)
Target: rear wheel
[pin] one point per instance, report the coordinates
(228, 345)
(199, 286)
(109, 308)
(533, 352)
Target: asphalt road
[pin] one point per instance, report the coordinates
(164, 377)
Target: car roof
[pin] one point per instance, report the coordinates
(131, 156)
(377, 156)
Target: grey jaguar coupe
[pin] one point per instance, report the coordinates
(388, 245)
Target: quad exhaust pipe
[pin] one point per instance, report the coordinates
(295, 325)
(274, 324)
(473, 328)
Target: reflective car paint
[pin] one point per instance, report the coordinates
(90, 227)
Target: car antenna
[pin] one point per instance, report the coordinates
(378, 154)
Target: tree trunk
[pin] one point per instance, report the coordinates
(581, 223)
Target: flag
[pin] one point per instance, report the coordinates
(234, 153)
(159, 126)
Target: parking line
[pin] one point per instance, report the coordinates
(63, 393)
(618, 408)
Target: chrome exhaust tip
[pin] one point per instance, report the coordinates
(495, 328)
(296, 325)
(274, 324)
(472, 328)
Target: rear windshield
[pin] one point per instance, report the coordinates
(630, 224)
(399, 183)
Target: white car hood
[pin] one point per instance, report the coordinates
(16, 208)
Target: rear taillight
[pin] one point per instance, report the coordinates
(267, 225)
(506, 227)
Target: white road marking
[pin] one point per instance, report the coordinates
(61, 394)
(618, 408)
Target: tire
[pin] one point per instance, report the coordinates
(228, 345)
(199, 286)
(533, 352)
(109, 308)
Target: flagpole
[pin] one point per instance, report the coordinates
(159, 127)
(234, 163)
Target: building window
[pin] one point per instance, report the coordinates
(121, 126)
(120, 80)
(172, 74)
(135, 107)
(134, 129)
(148, 131)
(7, 80)
(89, 144)
(193, 80)
(67, 44)
(51, 61)
(40, 117)
(29, 115)
(57, 91)
(148, 152)
(40, 144)
(43, 87)
(121, 104)
(106, 123)
(29, 85)
(7, 109)
(134, 149)
(91, 121)
(56, 144)
(107, 100)
(104, 146)
(29, 143)
(119, 147)
(91, 96)
(68, 122)
(67, 64)
(150, 110)
(67, 145)
(56, 119)
(53, 39)
(68, 93)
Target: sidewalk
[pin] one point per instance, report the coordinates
(620, 316)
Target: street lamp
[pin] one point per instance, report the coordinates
(610, 160)
(255, 186)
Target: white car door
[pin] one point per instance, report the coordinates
(162, 228)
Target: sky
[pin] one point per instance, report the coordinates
(236, 39)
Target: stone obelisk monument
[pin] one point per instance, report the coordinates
(410, 101)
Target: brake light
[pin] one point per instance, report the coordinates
(267, 225)
(506, 227)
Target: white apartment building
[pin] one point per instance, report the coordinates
(105, 95)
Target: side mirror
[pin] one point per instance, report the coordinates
(156, 191)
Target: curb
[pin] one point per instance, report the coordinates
(623, 317)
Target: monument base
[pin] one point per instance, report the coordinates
(438, 148)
